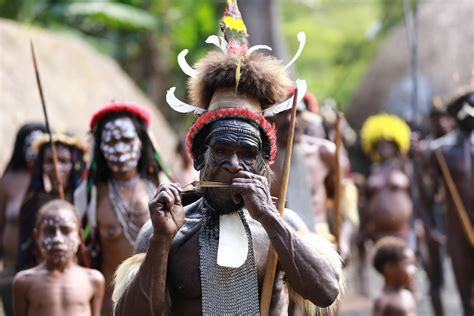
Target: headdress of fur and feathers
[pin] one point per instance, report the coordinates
(236, 77)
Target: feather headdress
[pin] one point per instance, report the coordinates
(236, 77)
(384, 126)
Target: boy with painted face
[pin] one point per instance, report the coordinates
(123, 174)
(58, 285)
(396, 262)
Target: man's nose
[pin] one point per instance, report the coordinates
(233, 164)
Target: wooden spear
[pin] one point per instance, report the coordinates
(458, 204)
(337, 183)
(51, 143)
(272, 257)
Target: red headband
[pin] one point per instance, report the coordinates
(131, 108)
(238, 113)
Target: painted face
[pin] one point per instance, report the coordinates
(64, 165)
(58, 236)
(121, 145)
(28, 150)
(230, 151)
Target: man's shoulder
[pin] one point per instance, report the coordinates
(193, 215)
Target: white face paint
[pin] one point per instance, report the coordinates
(58, 236)
(30, 155)
(121, 145)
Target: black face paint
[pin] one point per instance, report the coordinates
(231, 146)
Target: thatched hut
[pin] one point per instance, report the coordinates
(446, 61)
(76, 80)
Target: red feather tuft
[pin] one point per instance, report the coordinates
(132, 108)
(245, 114)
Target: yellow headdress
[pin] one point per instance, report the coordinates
(384, 126)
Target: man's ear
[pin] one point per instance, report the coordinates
(199, 159)
(199, 162)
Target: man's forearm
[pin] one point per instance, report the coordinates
(308, 273)
(146, 293)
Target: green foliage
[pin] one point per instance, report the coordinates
(145, 36)
(342, 37)
(109, 14)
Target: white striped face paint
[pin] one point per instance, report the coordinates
(58, 236)
(121, 145)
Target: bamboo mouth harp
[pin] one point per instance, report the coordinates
(193, 186)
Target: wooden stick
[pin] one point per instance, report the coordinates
(51, 143)
(461, 210)
(337, 183)
(272, 258)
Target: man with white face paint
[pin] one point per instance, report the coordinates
(58, 285)
(456, 151)
(123, 173)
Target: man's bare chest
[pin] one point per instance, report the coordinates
(184, 274)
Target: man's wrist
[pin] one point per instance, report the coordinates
(270, 219)
(161, 238)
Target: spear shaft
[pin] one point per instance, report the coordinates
(272, 257)
(45, 112)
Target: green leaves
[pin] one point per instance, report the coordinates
(109, 14)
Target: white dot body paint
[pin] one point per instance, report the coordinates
(58, 237)
(121, 145)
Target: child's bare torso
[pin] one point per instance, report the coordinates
(59, 293)
(395, 303)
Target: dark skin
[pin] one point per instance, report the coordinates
(58, 285)
(458, 151)
(389, 204)
(320, 155)
(172, 258)
(441, 123)
(114, 245)
(396, 298)
(387, 208)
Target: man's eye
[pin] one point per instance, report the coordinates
(219, 150)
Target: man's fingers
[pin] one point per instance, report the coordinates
(176, 194)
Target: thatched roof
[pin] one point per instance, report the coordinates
(446, 61)
(76, 80)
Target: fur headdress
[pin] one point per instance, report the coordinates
(236, 82)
